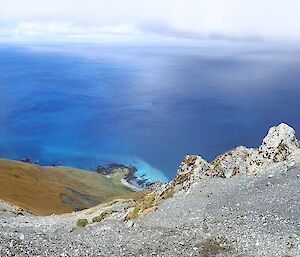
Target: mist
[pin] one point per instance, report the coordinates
(197, 19)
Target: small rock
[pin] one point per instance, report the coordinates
(129, 224)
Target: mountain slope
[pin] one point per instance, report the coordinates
(245, 203)
(47, 190)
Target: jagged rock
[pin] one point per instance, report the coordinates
(136, 183)
(113, 168)
(190, 170)
(154, 186)
(26, 160)
(129, 224)
(239, 160)
(279, 143)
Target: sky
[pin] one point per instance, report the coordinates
(191, 19)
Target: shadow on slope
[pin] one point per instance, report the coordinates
(55, 190)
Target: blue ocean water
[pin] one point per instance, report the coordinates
(149, 106)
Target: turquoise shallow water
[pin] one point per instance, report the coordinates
(148, 106)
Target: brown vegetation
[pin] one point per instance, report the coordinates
(47, 190)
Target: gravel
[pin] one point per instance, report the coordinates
(245, 215)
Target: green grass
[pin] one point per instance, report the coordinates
(81, 223)
(143, 206)
(102, 216)
(168, 193)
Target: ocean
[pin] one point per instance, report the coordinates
(82, 105)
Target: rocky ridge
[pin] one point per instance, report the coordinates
(279, 145)
(279, 150)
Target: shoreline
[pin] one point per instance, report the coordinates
(131, 178)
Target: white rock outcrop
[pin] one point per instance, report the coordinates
(279, 143)
(278, 146)
(190, 170)
(238, 160)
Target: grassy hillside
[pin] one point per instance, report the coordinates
(47, 190)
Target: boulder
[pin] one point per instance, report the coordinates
(190, 170)
(279, 143)
(239, 160)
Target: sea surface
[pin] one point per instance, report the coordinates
(82, 105)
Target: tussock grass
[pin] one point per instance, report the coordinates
(81, 223)
(102, 216)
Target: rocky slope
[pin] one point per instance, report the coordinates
(245, 203)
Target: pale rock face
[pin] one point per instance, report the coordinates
(191, 170)
(279, 143)
(238, 160)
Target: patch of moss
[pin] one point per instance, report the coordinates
(103, 215)
(258, 162)
(147, 211)
(235, 171)
(81, 223)
(180, 178)
(168, 193)
(134, 213)
(217, 162)
(190, 159)
(147, 202)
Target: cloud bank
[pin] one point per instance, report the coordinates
(78, 19)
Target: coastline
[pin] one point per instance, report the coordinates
(139, 175)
